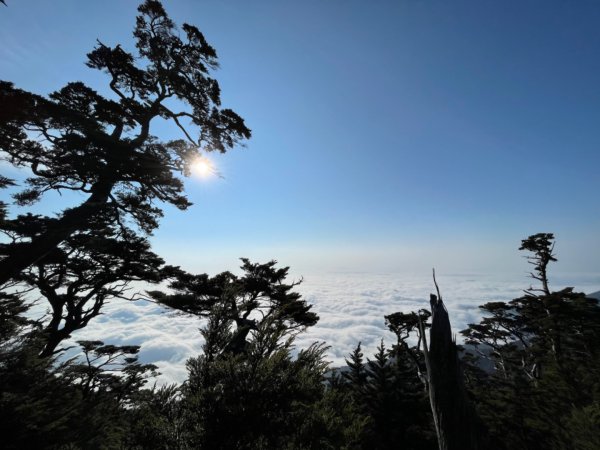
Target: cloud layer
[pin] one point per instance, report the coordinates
(351, 307)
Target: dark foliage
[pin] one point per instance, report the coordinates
(103, 147)
(246, 390)
(387, 399)
(544, 347)
(258, 300)
(250, 388)
(85, 271)
(73, 404)
(261, 393)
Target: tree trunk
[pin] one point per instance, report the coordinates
(238, 343)
(54, 338)
(72, 220)
(457, 425)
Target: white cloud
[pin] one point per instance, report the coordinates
(351, 307)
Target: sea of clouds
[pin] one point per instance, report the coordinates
(351, 307)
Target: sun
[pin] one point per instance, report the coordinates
(202, 167)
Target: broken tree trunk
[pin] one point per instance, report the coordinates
(457, 425)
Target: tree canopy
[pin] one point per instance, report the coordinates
(76, 139)
(528, 375)
(85, 271)
(260, 299)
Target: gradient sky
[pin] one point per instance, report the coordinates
(387, 135)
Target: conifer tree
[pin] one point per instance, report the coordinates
(356, 375)
(385, 398)
(108, 370)
(544, 347)
(382, 398)
(240, 306)
(103, 146)
(77, 278)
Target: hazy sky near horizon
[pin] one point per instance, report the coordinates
(387, 135)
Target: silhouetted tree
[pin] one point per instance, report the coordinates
(356, 374)
(409, 329)
(47, 404)
(76, 139)
(255, 400)
(80, 403)
(385, 402)
(240, 306)
(545, 352)
(12, 318)
(246, 390)
(85, 271)
(108, 370)
(541, 245)
(158, 420)
(385, 398)
(4, 183)
(439, 369)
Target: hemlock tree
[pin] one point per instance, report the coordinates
(80, 403)
(158, 419)
(356, 375)
(408, 328)
(385, 399)
(4, 183)
(76, 139)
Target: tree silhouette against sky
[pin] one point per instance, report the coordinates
(82, 273)
(76, 139)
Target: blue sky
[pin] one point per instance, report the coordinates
(387, 135)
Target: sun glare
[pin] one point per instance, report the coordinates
(203, 167)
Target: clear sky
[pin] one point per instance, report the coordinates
(387, 135)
